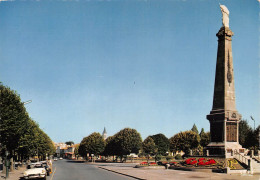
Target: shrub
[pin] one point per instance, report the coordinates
(178, 157)
(173, 163)
(158, 157)
(168, 158)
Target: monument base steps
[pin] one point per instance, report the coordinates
(256, 166)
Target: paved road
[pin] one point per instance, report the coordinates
(73, 170)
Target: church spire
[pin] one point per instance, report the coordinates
(104, 134)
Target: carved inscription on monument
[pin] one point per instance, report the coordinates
(231, 131)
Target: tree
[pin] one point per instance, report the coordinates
(149, 147)
(19, 134)
(127, 141)
(251, 139)
(256, 138)
(195, 129)
(184, 141)
(45, 145)
(110, 146)
(204, 139)
(76, 151)
(13, 119)
(202, 131)
(28, 142)
(82, 150)
(93, 144)
(245, 134)
(162, 143)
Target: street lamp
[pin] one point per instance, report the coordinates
(258, 132)
(27, 102)
(253, 120)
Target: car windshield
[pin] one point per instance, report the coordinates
(38, 166)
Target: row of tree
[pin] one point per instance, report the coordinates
(122, 143)
(129, 141)
(20, 136)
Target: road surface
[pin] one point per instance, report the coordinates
(74, 170)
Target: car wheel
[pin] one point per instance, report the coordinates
(48, 173)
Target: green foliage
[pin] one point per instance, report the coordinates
(19, 134)
(195, 129)
(123, 143)
(13, 119)
(168, 158)
(162, 143)
(110, 148)
(149, 146)
(204, 138)
(251, 140)
(184, 141)
(247, 136)
(82, 150)
(93, 144)
(44, 144)
(76, 150)
(178, 157)
(127, 141)
(158, 157)
(202, 131)
(29, 143)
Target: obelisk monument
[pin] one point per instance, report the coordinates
(224, 118)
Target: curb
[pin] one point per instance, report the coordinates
(150, 167)
(121, 173)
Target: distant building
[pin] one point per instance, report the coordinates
(60, 147)
(104, 134)
(65, 151)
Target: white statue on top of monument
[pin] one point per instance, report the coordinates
(225, 15)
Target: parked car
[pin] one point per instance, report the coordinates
(35, 171)
(47, 166)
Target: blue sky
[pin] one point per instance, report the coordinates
(148, 65)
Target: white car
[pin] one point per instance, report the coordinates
(35, 171)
